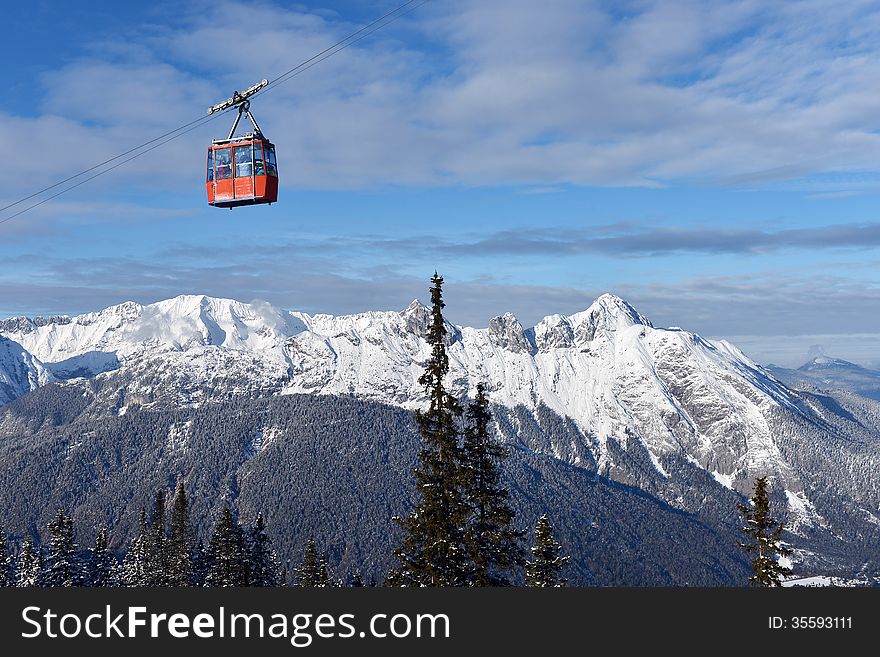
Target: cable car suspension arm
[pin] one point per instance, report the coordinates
(244, 108)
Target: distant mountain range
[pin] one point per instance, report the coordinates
(665, 413)
(832, 373)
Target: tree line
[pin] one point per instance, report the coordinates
(165, 554)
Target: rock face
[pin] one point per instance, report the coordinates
(662, 409)
(507, 333)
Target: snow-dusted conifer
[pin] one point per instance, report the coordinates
(323, 574)
(492, 541)
(544, 569)
(180, 542)
(263, 567)
(101, 566)
(29, 565)
(765, 544)
(227, 558)
(309, 572)
(134, 565)
(62, 565)
(155, 545)
(434, 552)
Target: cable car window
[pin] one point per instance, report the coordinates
(270, 161)
(259, 167)
(210, 164)
(223, 156)
(244, 161)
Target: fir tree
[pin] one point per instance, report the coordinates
(492, 541)
(357, 581)
(263, 563)
(309, 572)
(434, 551)
(62, 565)
(29, 565)
(765, 544)
(227, 555)
(180, 542)
(102, 569)
(134, 565)
(7, 570)
(545, 567)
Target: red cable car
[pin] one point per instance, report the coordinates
(241, 170)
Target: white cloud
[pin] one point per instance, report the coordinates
(492, 92)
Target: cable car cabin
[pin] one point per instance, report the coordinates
(242, 171)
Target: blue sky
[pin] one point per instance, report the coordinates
(717, 164)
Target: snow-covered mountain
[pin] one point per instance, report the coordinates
(685, 419)
(631, 389)
(20, 372)
(617, 376)
(825, 372)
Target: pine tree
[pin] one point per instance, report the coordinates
(227, 555)
(323, 574)
(180, 542)
(309, 572)
(155, 545)
(357, 581)
(765, 544)
(492, 541)
(545, 567)
(102, 569)
(434, 551)
(62, 565)
(29, 565)
(263, 563)
(134, 565)
(7, 570)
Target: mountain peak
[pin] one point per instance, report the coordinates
(822, 362)
(608, 312)
(614, 306)
(506, 332)
(415, 306)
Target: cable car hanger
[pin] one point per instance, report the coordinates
(244, 106)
